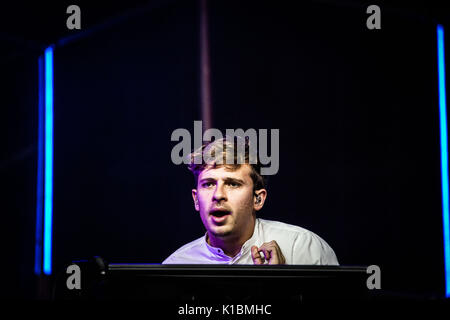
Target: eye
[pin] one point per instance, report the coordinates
(207, 184)
(233, 184)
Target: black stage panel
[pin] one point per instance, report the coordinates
(217, 283)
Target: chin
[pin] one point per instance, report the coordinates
(220, 232)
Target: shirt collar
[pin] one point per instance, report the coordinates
(245, 247)
(218, 252)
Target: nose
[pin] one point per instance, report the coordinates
(219, 194)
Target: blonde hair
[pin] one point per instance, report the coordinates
(230, 152)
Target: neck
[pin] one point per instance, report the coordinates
(232, 244)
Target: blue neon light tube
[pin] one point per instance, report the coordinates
(48, 164)
(444, 155)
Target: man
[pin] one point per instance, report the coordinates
(228, 194)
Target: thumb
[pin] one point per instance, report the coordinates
(257, 259)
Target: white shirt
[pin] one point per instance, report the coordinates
(298, 245)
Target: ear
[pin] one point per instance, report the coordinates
(259, 199)
(194, 196)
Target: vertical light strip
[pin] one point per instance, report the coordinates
(40, 171)
(205, 68)
(48, 170)
(444, 155)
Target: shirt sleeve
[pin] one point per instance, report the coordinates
(167, 260)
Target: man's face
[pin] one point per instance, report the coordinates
(226, 201)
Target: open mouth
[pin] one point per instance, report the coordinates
(219, 215)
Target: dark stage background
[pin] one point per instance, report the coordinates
(357, 111)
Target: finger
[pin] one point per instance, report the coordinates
(267, 251)
(280, 256)
(257, 259)
(273, 253)
(260, 258)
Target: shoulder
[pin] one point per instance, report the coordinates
(307, 247)
(286, 229)
(182, 254)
